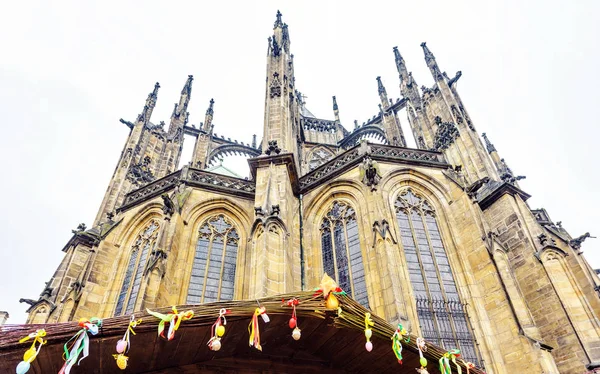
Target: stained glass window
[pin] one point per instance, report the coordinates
(143, 245)
(342, 256)
(442, 316)
(213, 269)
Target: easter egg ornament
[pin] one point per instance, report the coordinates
(368, 332)
(121, 361)
(124, 343)
(422, 360)
(293, 323)
(332, 302)
(217, 331)
(296, 334)
(121, 346)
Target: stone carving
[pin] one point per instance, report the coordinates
(490, 147)
(278, 21)
(81, 227)
(421, 142)
(576, 243)
(275, 86)
(321, 125)
(180, 196)
(445, 134)
(156, 261)
(382, 228)
(272, 148)
(369, 173)
(464, 112)
(141, 174)
(473, 188)
(318, 158)
(168, 206)
(507, 175)
(545, 239)
(456, 114)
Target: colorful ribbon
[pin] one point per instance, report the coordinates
(217, 330)
(445, 364)
(454, 353)
(174, 318)
(32, 352)
(253, 328)
(81, 345)
(368, 332)
(397, 342)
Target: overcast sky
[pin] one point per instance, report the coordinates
(70, 70)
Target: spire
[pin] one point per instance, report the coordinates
(385, 103)
(149, 106)
(428, 55)
(209, 116)
(431, 63)
(335, 105)
(400, 64)
(278, 22)
(490, 147)
(186, 93)
(380, 87)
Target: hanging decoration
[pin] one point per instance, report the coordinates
(253, 327)
(124, 344)
(330, 289)
(217, 331)
(422, 360)
(445, 362)
(469, 366)
(32, 352)
(397, 341)
(294, 320)
(174, 318)
(81, 344)
(368, 332)
(454, 354)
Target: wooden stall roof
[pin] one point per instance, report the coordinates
(330, 343)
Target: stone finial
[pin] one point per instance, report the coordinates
(210, 110)
(278, 22)
(428, 55)
(187, 87)
(3, 317)
(335, 105)
(490, 147)
(380, 87)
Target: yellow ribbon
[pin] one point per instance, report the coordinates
(37, 337)
(174, 318)
(253, 329)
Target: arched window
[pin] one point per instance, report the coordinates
(318, 158)
(442, 316)
(143, 245)
(342, 257)
(213, 271)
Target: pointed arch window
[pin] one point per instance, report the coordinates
(318, 158)
(213, 270)
(442, 315)
(138, 257)
(342, 256)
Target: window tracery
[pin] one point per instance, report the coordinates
(442, 315)
(213, 270)
(143, 245)
(342, 256)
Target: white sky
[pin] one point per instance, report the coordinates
(70, 70)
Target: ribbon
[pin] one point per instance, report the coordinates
(215, 340)
(253, 329)
(37, 337)
(132, 324)
(81, 345)
(174, 318)
(445, 364)
(397, 342)
(453, 355)
(422, 348)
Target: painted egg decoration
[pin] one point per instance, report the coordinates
(29, 354)
(220, 330)
(423, 361)
(23, 367)
(122, 361)
(296, 334)
(121, 346)
(292, 322)
(215, 345)
(368, 333)
(369, 346)
(332, 302)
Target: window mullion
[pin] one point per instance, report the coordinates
(225, 239)
(348, 257)
(333, 250)
(208, 252)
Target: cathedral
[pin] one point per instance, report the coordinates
(439, 238)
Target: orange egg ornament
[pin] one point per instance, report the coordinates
(332, 302)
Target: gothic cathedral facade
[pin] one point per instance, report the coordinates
(439, 237)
